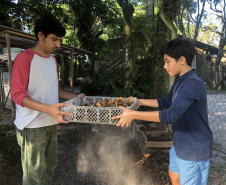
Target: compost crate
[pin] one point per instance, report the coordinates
(89, 114)
(157, 137)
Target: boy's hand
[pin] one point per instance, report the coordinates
(55, 112)
(139, 103)
(82, 94)
(125, 117)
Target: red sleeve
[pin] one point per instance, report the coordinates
(20, 76)
(56, 70)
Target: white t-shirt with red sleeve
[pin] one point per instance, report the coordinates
(34, 76)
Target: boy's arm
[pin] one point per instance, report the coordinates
(166, 102)
(157, 103)
(190, 92)
(148, 103)
(19, 81)
(20, 77)
(52, 110)
(67, 95)
(129, 115)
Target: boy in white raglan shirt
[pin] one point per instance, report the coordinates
(35, 90)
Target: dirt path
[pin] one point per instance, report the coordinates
(97, 155)
(102, 155)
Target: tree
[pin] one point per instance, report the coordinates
(128, 11)
(7, 9)
(207, 36)
(91, 17)
(31, 10)
(192, 13)
(218, 6)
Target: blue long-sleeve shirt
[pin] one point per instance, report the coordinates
(187, 103)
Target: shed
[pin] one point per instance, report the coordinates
(13, 38)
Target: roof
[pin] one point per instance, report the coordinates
(210, 50)
(24, 40)
(5, 56)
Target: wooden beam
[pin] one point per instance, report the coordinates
(21, 34)
(10, 70)
(62, 71)
(173, 29)
(1, 49)
(13, 41)
(32, 37)
(2, 32)
(157, 144)
(159, 134)
(9, 55)
(71, 72)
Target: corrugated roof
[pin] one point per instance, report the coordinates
(24, 40)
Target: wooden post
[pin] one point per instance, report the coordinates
(213, 72)
(62, 71)
(218, 78)
(71, 72)
(10, 70)
(170, 25)
(223, 78)
(1, 49)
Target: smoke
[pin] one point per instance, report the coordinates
(109, 158)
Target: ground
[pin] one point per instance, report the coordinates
(106, 155)
(103, 155)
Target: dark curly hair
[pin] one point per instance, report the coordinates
(180, 47)
(48, 24)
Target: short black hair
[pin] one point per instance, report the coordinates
(180, 47)
(48, 24)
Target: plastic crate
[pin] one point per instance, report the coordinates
(88, 114)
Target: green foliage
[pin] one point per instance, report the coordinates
(7, 9)
(31, 10)
(90, 20)
(121, 93)
(8, 141)
(147, 74)
(96, 26)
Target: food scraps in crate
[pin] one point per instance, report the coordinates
(111, 103)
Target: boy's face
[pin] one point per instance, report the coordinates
(172, 66)
(50, 43)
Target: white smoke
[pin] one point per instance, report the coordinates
(108, 158)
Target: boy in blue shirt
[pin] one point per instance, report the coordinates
(187, 102)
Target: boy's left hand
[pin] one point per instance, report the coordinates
(125, 117)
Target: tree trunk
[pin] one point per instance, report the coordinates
(173, 30)
(218, 59)
(199, 18)
(127, 20)
(149, 7)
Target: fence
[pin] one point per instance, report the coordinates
(213, 76)
(216, 97)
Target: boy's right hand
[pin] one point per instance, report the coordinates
(138, 102)
(55, 112)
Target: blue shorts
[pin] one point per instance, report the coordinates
(190, 172)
